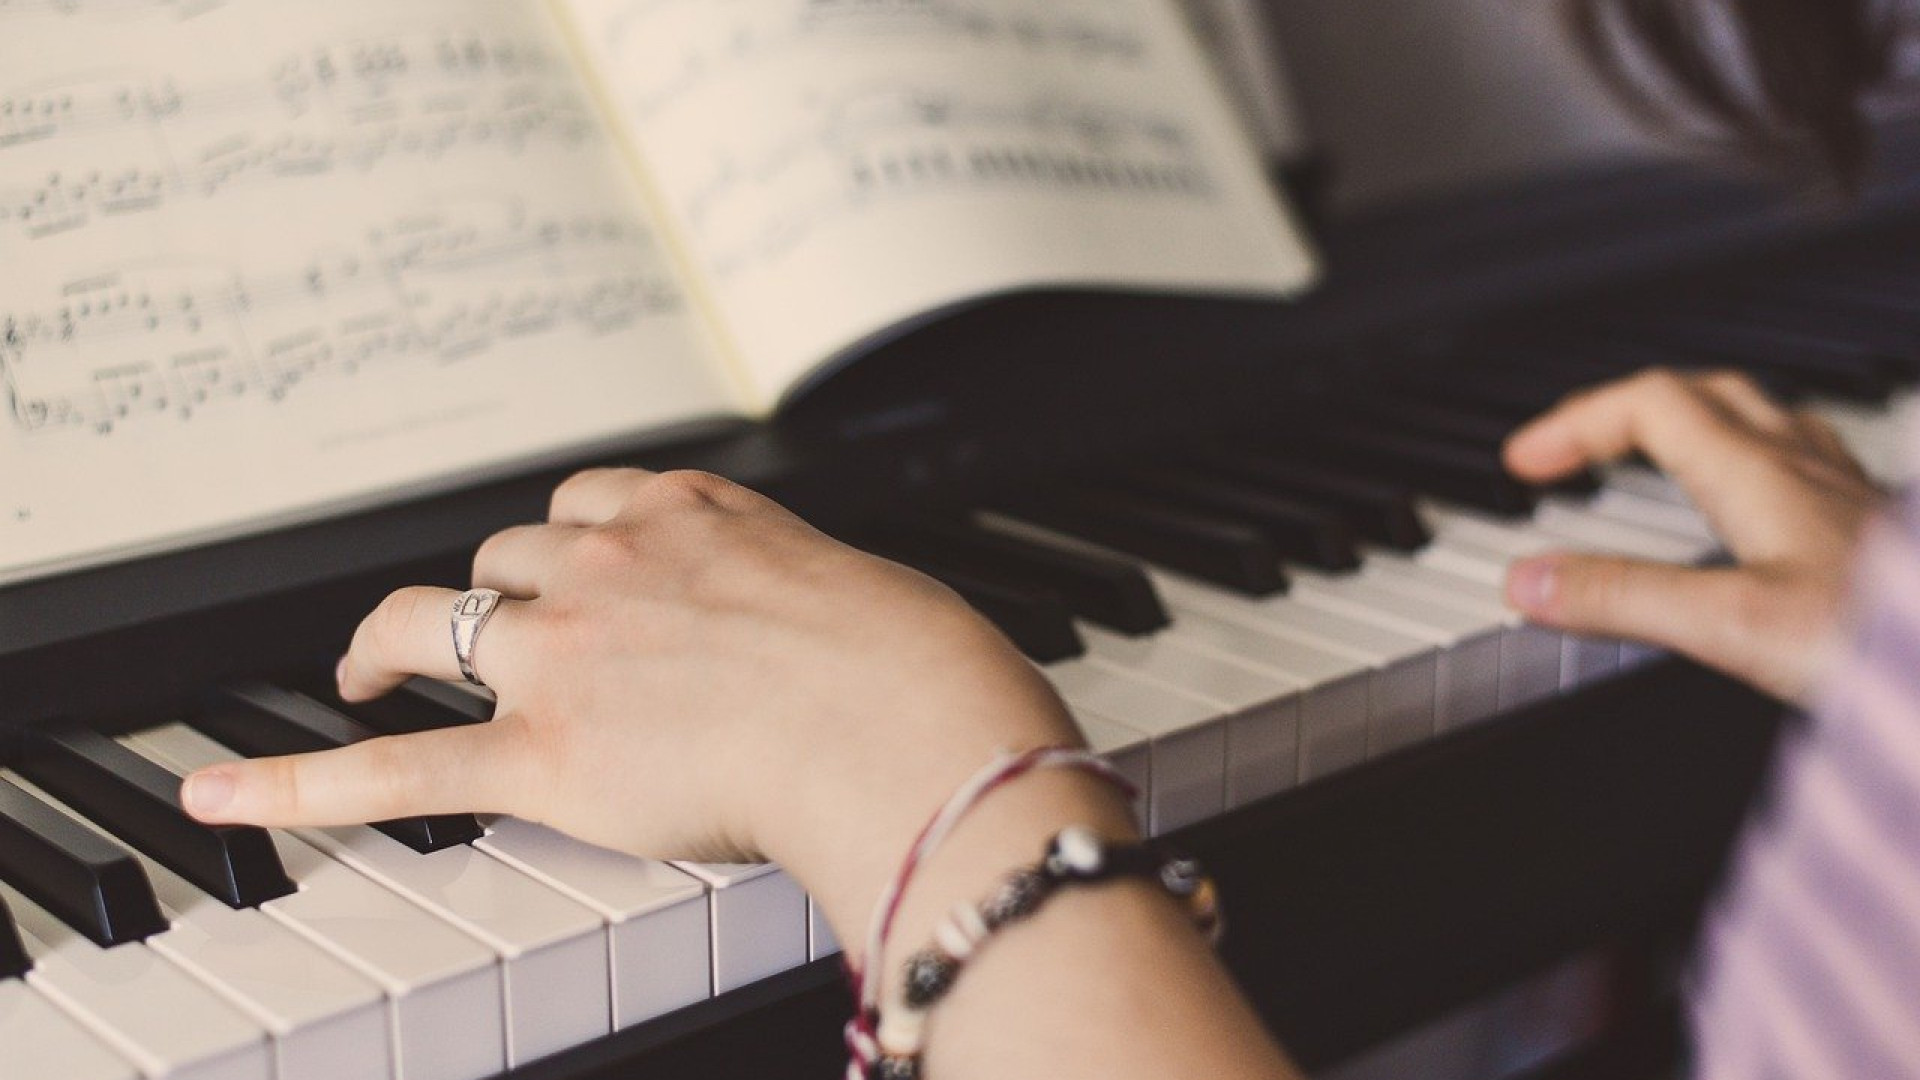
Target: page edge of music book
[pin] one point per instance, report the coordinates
(1296, 270)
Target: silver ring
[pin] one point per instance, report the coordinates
(471, 610)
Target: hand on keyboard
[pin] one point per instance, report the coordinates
(1781, 491)
(684, 670)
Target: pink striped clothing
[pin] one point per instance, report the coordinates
(1810, 964)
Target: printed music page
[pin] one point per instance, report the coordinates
(832, 168)
(264, 260)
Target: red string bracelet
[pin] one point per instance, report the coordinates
(862, 1045)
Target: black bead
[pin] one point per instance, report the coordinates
(895, 1068)
(1019, 896)
(930, 974)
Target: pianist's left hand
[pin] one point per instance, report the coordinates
(1784, 495)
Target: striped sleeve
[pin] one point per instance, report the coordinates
(1810, 962)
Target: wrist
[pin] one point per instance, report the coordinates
(847, 869)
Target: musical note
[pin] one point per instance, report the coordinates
(356, 107)
(117, 10)
(900, 141)
(169, 340)
(886, 102)
(1081, 31)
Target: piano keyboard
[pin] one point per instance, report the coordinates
(1256, 615)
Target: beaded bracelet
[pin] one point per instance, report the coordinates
(1076, 856)
(860, 1034)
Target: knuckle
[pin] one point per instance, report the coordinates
(692, 488)
(577, 485)
(488, 553)
(1660, 383)
(282, 777)
(1731, 380)
(606, 548)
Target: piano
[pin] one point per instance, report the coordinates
(1256, 549)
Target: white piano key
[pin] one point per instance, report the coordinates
(1467, 686)
(1400, 706)
(1646, 483)
(1530, 655)
(149, 1010)
(1262, 709)
(657, 915)
(1872, 435)
(1128, 750)
(757, 921)
(554, 951)
(1681, 521)
(757, 918)
(446, 998)
(1334, 707)
(1334, 699)
(1189, 737)
(327, 1022)
(821, 942)
(38, 1040)
(1589, 529)
(1564, 525)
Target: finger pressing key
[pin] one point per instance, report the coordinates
(450, 771)
(411, 633)
(1688, 435)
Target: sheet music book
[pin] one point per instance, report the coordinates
(262, 261)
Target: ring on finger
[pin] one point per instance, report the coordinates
(471, 610)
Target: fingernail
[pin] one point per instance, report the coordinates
(207, 792)
(1533, 585)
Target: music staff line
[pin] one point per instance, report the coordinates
(358, 75)
(896, 142)
(437, 294)
(60, 203)
(1088, 36)
(177, 10)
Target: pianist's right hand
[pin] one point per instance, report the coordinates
(684, 670)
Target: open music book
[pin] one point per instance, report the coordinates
(266, 260)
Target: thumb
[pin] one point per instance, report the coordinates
(434, 772)
(1683, 608)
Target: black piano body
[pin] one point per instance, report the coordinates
(1362, 905)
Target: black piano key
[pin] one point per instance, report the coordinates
(1857, 375)
(1382, 513)
(1472, 476)
(1112, 592)
(1201, 545)
(1892, 338)
(414, 706)
(1035, 620)
(1567, 365)
(1460, 423)
(85, 880)
(1466, 425)
(1515, 398)
(139, 802)
(14, 961)
(1301, 532)
(260, 719)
